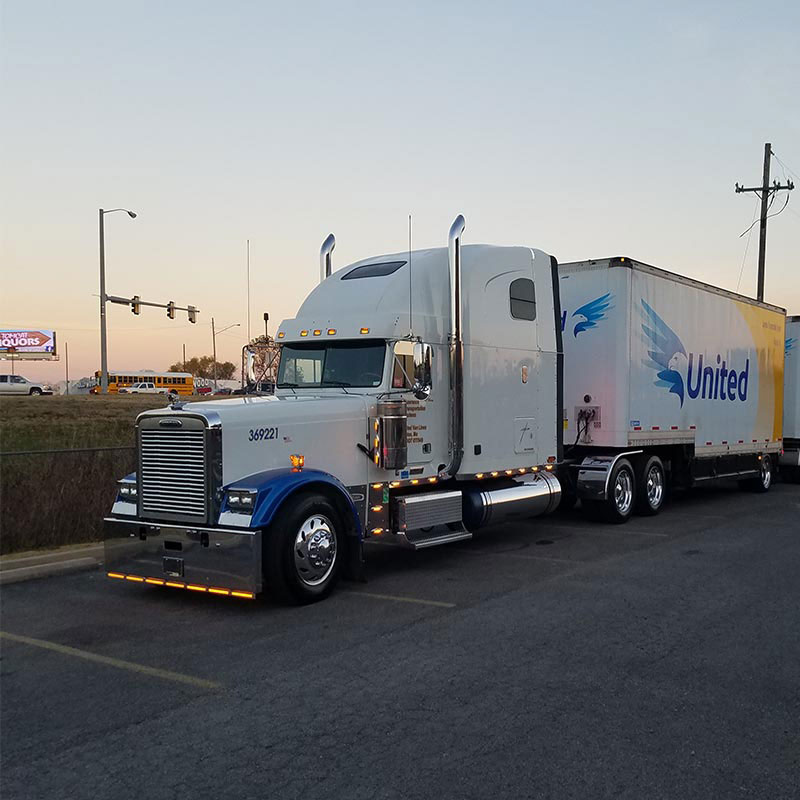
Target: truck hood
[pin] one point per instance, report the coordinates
(261, 433)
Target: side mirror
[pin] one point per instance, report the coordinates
(250, 368)
(423, 381)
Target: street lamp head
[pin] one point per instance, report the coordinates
(132, 214)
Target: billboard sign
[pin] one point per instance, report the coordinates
(30, 343)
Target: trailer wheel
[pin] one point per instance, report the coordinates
(762, 483)
(618, 507)
(304, 550)
(651, 487)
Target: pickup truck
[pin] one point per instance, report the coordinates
(142, 388)
(16, 384)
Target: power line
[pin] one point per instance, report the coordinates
(749, 231)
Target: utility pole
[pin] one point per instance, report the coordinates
(184, 358)
(266, 325)
(766, 191)
(248, 290)
(66, 364)
(214, 349)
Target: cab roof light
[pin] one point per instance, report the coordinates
(317, 332)
(364, 331)
(331, 331)
(281, 335)
(304, 333)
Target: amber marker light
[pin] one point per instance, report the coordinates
(509, 472)
(317, 332)
(248, 595)
(193, 588)
(154, 581)
(534, 469)
(173, 585)
(479, 475)
(377, 486)
(298, 461)
(218, 591)
(549, 467)
(414, 481)
(522, 470)
(394, 484)
(377, 531)
(331, 331)
(304, 333)
(495, 474)
(135, 578)
(432, 480)
(364, 331)
(281, 335)
(114, 575)
(376, 509)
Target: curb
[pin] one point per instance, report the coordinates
(23, 567)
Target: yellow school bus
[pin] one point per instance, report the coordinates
(163, 382)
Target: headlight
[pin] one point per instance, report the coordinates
(127, 490)
(242, 500)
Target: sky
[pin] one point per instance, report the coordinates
(585, 129)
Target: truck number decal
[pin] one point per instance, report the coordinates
(257, 434)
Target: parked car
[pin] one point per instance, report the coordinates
(142, 388)
(224, 390)
(204, 390)
(16, 384)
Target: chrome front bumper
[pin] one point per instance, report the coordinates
(218, 560)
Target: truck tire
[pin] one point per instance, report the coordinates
(35, 392)
(651, 486)
(762, 483)
(618, 507)
(304, 550)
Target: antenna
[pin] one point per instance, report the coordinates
(248, 290)
(410, 323)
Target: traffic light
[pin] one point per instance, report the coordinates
(171, 310)
(192, 313)
(135, 307)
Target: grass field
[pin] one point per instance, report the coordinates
(53, 499)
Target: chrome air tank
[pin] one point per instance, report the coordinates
(524, 496)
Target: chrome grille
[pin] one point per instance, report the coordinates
(173, 472)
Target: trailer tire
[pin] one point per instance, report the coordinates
(618, 507)
(651, 486)
(762, 483)
(304, 549)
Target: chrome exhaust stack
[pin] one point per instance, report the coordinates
(325, 259)
(456, 428)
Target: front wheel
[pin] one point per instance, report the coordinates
(303, 550)
(35, 392)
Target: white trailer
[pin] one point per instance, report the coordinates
(666, 379)
(790, 459)
(420, 397)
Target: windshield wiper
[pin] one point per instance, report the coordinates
(336, 383)
(288, 385)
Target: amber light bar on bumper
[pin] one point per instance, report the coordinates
(179, 585)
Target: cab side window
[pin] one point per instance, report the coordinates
(522, 299)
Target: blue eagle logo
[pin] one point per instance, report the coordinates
(592, 313)
(790, 345)
(667, 356)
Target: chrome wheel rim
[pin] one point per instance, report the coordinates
(315, 550)
(766, 473)
(655, 486)
(623, 492)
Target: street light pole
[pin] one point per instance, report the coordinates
(103, 334)
(214, 349)
(214, 333)
(104, 297)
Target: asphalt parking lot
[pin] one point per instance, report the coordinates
(555, 659)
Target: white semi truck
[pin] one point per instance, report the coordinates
(790, 459)
(424, 395)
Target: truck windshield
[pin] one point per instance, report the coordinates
(318, 364)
